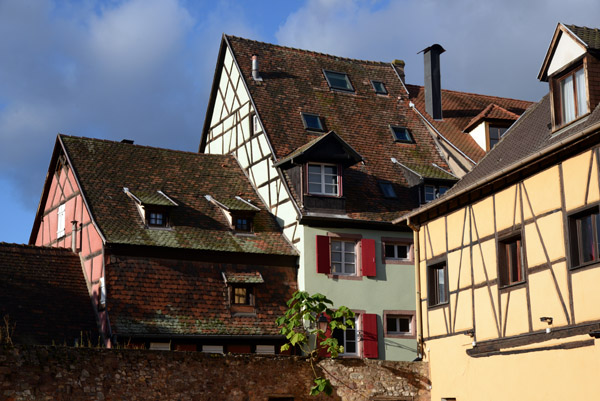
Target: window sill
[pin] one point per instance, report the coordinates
(344, 277)
(398, 262)
(159, 228)
(324, 195)
(512, 286)
(437, 306)
(557, 130)
(407, 336)
(594, 263)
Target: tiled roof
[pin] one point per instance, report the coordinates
(160, 296)
(104, 168)
(237, 205)
(530, 136)
(590, 36)
(458, 111)
(293, 82)
(431, 171)
(155, 198)
(492, 112)
(243, 277)
(44, 296)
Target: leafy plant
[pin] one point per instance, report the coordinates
(306, 325)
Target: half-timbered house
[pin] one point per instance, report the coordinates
(507, 261)
(178, 251)
(336, 149)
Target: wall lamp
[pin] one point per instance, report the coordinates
(548, 320)
(471, 333)
(322, 323)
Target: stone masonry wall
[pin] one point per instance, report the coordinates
(61, 373)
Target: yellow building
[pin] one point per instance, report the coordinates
(508, 261)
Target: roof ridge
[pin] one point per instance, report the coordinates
(382, 63)
(34, 247)
(581, 26)
(143, 146)
(478, 94)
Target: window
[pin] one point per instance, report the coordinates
(242, 295)
(570, 99)
(212, 349)
(338, 80)
(265, 349)
(312, 122)
(510, 261)
(437, 287)
(343, 257)
(323, 179)
(379, 87)
(160, 346)
(434, 191)
(397, 251)
(241, 223)
(347, 338)
(495, 135)
(399, 325)
(388, 190)
(60, 225)
(255, 127)
(156, 219)
(401, 134)
(583, 237)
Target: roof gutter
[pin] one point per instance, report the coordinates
(412, 106)
(503, 171)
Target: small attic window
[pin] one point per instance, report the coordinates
(401, 134)
(379, 87)
(156, 218)
(242, 223)
(312, 122)
(338, 80)
(388, 190)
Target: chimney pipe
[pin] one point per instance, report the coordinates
(433, 87)
(399, 66)
(74, 236)
(255, 74)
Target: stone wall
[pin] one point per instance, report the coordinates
(61, 373)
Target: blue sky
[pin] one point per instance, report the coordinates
(142, 69)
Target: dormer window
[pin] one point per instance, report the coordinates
(154, 207)
(570, 96)
(401, 134)
(434, 191)
(388, 190)
(323, 179)
(239, 212)
(312, 122)
(242, 223)
(494, 135)
(242, 290)
(338, 81)
(379, 87)
(156, 218)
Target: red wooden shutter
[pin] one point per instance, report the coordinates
(369, 323)
(322, 351)
(323, 257)
(369, 266)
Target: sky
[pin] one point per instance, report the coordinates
(142, 69)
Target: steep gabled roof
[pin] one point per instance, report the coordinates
(459, 109)
(104, 168)
(44, 297)
(492, 112)
(590, 36)
(294, 82)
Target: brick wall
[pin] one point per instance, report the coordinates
(61, 373)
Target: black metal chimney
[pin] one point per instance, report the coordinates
(433, 87)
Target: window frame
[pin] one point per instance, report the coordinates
(61, 218)
(433, 302)
(149, 210)
(557, 98)
(382, 184)
(393, 129)
(574, 240)
(338, 193)
(357, 340)
(249, 217)
(320, 128)
(436, 191)
(344, 240)
(386, 241)
(339, 88)
(397, 314)
(505, 271)
(489, 129)
(378, 92)
(250, 296)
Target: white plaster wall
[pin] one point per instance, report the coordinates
(567, 50)
(478, 134)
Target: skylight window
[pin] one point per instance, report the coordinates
(401, 134)
(388, 190)
(339, 81)
(312, 122)
(379, 87)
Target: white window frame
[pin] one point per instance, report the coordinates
(343, 262)
(397, 319)
(60, 224)
(357, 341)
(396, 245)
(322, 176)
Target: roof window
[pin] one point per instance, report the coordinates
(312, 122)
(401, 134)
(338, 80)
(388, 190)
(379, 87)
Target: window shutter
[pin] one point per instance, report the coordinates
(369, 323)
(322, 351)
(323, 257)
(369, 265)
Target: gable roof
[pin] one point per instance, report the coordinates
(170, 298)
(44, 295)
(528, 142)
(459, 110)
(294, 82)
(104, 168)
(589, 36)
(492, 112)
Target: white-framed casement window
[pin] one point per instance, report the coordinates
(323, 179)
(60, 226)
(571, 99)
(343, 257)
(434, 191)
(397, 251)
(348, 338)
(399, 324)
